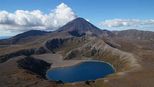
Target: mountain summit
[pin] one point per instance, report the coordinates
(79, 27)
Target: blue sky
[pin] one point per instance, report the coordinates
(110, 14)
(92, 9)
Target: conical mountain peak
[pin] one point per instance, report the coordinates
(79, 19)
(80, 25)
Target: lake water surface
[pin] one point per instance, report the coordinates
(89, 70)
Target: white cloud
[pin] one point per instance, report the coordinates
(128, 23)
(22, 20)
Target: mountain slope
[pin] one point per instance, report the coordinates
(77, 34)
(79, 27)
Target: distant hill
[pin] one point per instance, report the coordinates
(4, 37)
(135, 34)
(24, 36)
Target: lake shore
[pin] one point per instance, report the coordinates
(57, 60)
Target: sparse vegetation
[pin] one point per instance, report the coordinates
(123, 52)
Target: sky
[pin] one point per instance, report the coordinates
(18, 16)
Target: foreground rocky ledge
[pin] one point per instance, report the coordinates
(37, 66)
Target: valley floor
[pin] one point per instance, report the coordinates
(57, 60)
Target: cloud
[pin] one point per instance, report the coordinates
(128, 23)
(22, 20)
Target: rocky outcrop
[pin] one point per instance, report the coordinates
(54, 44)
(76, 33)
(57, 44)
(24, 52)
(36, 66)
(40, 50)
